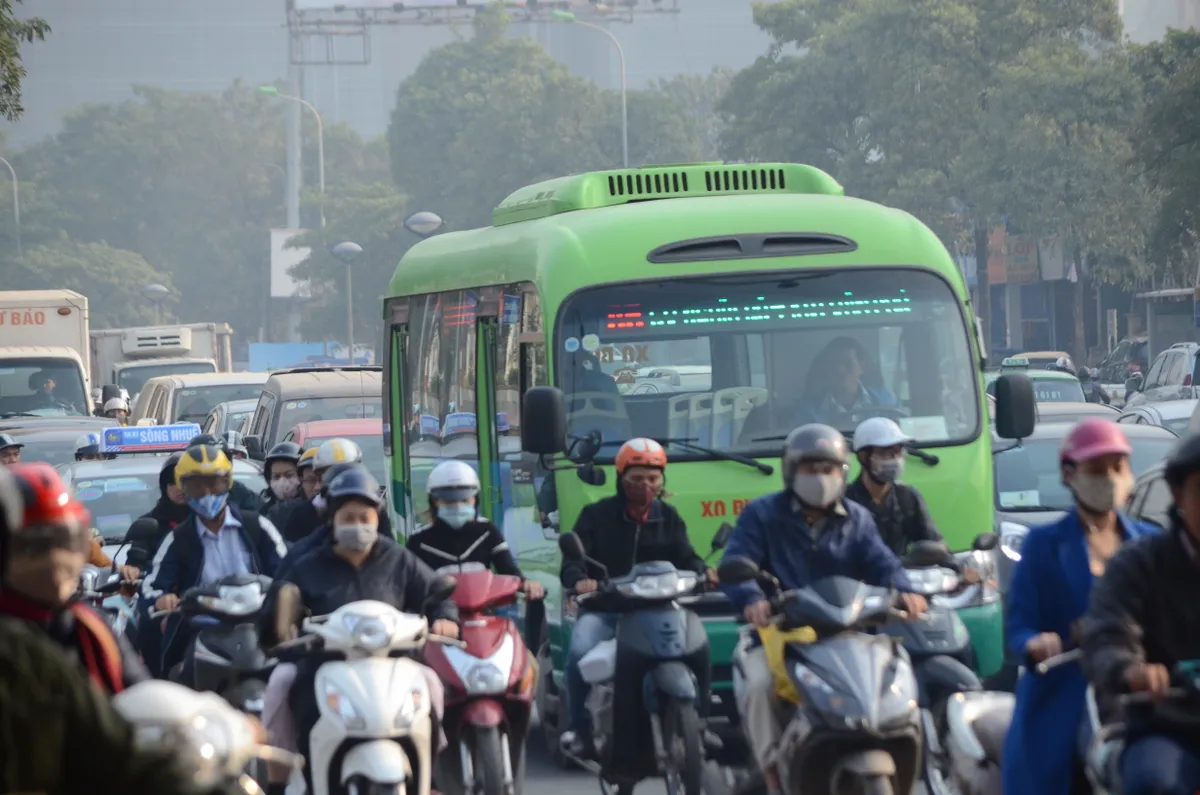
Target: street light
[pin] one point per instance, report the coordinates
(272, 91)
(567, 16)
(347, 252)
(423, 223)
(156, 294)
(16, 205)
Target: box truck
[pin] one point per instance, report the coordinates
(128, 357)
(44, 367)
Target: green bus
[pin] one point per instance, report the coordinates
(710, 304)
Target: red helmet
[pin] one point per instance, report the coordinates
(51, 515)
(1092, 438)
(641, 453)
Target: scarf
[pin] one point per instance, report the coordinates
(89, 634)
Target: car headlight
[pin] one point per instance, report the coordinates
(485, 678)
(370, 632)
(235, 600)
(1012, 538)
(660, 586)
(343, 707)
(411, 706)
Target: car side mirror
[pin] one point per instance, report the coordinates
(722, 537)
(985, 542)
(571, 547)
(253, 447)
(1015, 406)
(927, 554)
(544, 421)
(737, 570)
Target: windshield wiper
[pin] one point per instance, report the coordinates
(720, 455)
(8, 414)
(912, 449)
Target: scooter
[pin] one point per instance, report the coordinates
(376, 731)
(646, 683)
(856, 729)
(99, 586)
(213, 739)
(489, 688)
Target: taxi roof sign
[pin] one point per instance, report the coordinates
(149, 438)
(1015, 361)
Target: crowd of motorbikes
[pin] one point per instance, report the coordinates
(877, 703)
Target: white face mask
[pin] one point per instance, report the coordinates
(318, 502)
(817, 491)
(1101, 493)
(285, 488)
(887, 470)
(355, 537)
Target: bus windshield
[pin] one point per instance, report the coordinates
(735, 362)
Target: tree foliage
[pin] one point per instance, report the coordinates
(14, 33)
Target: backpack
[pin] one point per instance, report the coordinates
(254, 531)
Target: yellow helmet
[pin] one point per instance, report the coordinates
(337, 451)
(202, 459)
(306, 458)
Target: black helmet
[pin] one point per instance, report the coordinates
(1183, 460)
(1084, 374)
(7, 441)
(284, 451)
(813, 442)
(232, 443)
(329, 475)
(166, 477)
(353, 483)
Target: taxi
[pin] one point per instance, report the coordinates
(119, 490)
(1049, 386)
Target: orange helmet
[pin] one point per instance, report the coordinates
(52, 517)
(641, 452)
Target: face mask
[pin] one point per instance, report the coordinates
(456, 514)
(355, 537)
(887, 470)
(209, 506)
(817, 491)
(318, 502)
(1101, 493)
(640, 494)
(284, 488)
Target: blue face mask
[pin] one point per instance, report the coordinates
(456, 514)
(208, 506)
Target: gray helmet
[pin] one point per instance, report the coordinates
(813, 442)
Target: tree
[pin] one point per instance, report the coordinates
(696, 97)
(13, 33)
(111, 278)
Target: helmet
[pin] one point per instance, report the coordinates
(453, 481)
(355, 483)
(200, 460)
(116, 404)
(813, 442)
(1183, 460)
(1084, 374)
(1092, 438)
(50, 515)
(1063, 363)
(284, 451)
(337, 451)
(233, 444)
(641, 452)
(88, 444)
(207, 439)
(879, 432)
(7, 441)
(306, 458)
(330, 474)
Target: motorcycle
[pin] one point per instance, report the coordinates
(856, 728)
(489, 688)
(376, 731)
(213, 739)
(648, 681)
(99, 587)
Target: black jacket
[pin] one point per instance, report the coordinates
(303, 518)
(439, 545)
(1144, 608)
(902, 518)
(245, 499)
(390, 574)
(611, 537)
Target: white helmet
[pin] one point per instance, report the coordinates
(879, 432)
(88, 444)
(453, 481)
(116, 404)
(336, 451)
(1064, 363)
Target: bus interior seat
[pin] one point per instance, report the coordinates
(700, 418)
(731, 407)
(598, 411)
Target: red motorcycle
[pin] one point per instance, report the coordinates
(489, 689)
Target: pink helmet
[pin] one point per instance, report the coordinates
(1092, 438)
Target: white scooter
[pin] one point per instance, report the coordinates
(375, 733)
(212, 738)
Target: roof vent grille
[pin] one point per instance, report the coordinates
(742, 179)
(647, 184)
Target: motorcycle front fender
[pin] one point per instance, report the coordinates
(483, 713)
(673, 679)
(380, 761)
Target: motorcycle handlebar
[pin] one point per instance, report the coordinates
(1050, 663)
(1150, 698)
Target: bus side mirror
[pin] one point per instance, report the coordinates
(543, 421)
(1015, 410)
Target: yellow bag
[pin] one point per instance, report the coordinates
(774, 640)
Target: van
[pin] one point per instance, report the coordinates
(189, 397)
(312, 394)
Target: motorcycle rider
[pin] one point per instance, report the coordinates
(633, 526)
(217, 540)
(117, 409)
(1091, 390)
(306, 517)
(89, 448)
(359, 564)
(283, 482)
(43, 555)
(10, 450)
(1141, 623)
(239, 493)
(807, 531)
(1046, 598)
(234, 446)
(1062, 364)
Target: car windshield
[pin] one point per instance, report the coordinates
(194, 403)
(296, 412)
(43, 387)
(1028, 477)
(1177, 426)
(134, 378)
(735, 363)
(372, 448)
(53, 451)
(115, 501)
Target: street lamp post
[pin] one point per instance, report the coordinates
(156, 294)
(423, 223)
(16, 205)
(271, 91)
(567, 16)
(347, 252)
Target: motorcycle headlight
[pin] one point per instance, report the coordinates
(823, 697)
(370, 632)
(986, 591)
(235, 600)
(485, 678)
(660, 586)
(900, 694)
(929, 582)
(411, 706)
(343, 707)
(1012, 538)
(203, 744)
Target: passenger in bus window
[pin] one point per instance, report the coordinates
(835, 391)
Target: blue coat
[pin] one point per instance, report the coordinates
(1049, 592)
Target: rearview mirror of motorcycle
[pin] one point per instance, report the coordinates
(722, 537)
(571, 547)
(737, 570)
(440, 590)
(925, 554)
(985, 542)
(284, 616)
